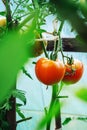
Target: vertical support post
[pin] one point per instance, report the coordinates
(58, 118)
(11, 114)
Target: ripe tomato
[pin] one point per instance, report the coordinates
(48, 71)
(73, 72)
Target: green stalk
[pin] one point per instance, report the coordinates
(8, 14)
(60, 28)
(54, 106)
(51, 106)
(57, 43)
(58, 33)
(28, 18)
(22, 120)
(35, 4)
(45, 51)
(55, 101)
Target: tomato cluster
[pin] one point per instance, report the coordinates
(50, 72)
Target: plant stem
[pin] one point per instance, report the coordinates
(60, 28)
(26, 20)
(62, 97)
(25, 119)
(54, 108)
(51, 106)
(26, 73)
(15, 9)
(11, 114)
(8, 14)
(45, 51)
(35, 4)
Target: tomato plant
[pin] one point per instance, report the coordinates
(73, 72)
(48, 71)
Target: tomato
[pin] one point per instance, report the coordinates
(48, 71)
(73, 72)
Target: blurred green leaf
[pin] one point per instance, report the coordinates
(14, 52)
(82, 94)
(70, 10)
(82, 118)
(3, 13)
(54, 110)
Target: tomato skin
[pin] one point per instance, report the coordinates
(48, 71)
(73, 72)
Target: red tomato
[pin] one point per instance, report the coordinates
(73, 72)
(48, 71)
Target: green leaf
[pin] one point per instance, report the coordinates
(82, 118)
(8, 106)
(54, 110)
(26, 73)
(20, 113)
(20, 95)
(14, 52)
(3, 13)
(30, 8)
(5, 125)
(18, 104)
(82, 94)
(67, 120)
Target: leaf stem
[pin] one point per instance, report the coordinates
(25, 119)
(26, 73)
(32, 15)
(62, 97)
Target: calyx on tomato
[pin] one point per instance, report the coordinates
(48, 71)
(73, 72)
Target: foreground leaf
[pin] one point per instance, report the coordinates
(82, 94)
(14, 52)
